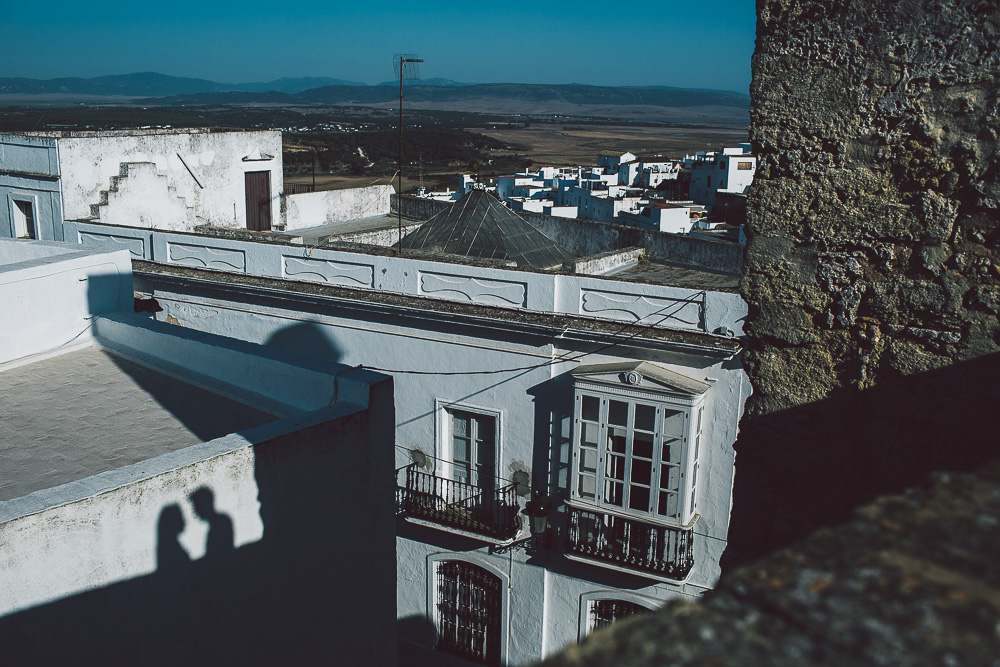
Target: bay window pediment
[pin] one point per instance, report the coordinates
(641, 375)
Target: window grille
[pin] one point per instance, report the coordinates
(469, 612)
(606, 612)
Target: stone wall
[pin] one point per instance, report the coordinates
(873, 264)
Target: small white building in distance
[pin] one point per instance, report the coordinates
(731, 170)
(662, 217)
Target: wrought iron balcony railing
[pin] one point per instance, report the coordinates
(466, 507)
(630, 543)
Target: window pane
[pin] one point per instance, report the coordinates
(589, 434)
(669, 478)
(484, 429)
(591, 408)
(588, 486)
(588, 460)
(668, 504)
(671, 450)
(642, 471)
(461, 449)
(638, 498)
(484, 454)
(673, 422)
(618, 413)
(615, 468)
(645, 417)
(460, 426)
(616, 440)
(613, 493)
(642, 445)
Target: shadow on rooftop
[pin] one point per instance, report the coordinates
(319, 584)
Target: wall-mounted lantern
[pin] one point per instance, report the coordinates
(537, 512)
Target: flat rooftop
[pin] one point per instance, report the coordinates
(92, 410)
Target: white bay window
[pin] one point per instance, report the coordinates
(637, 440)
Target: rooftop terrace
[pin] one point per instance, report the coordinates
(91, 410)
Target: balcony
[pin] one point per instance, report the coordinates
(463, 507)
(626, 543)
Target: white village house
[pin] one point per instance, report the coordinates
(177, 180)
(591, 370)
(161, 488)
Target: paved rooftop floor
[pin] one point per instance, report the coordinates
(90, 411)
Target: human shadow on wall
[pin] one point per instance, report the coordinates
(810, 466)
(318, 585)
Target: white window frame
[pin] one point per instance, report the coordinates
(443, 435)
(434, 560)
(16, 215)
(587, 601)
(692, 446)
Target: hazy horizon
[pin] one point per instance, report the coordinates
(691, 45)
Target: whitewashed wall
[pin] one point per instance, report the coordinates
(604, 298)
(542, 610)
(29, 169)
(49, 293)
(199, 170)
(311, 209)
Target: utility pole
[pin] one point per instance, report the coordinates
(405, 65)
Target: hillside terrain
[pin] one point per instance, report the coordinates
(653, 102)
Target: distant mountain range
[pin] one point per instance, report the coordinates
(429, 93)
(151, 84)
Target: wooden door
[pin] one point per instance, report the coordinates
(258, 184)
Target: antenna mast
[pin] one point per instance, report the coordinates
(405, 65)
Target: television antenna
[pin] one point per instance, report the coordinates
(420, 184)
(406, 69)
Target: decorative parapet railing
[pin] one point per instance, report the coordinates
(465, 507)
(632, 544)
(601, 298)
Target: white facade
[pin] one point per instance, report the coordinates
(729, 171)
(162, 179)
(603, 205)
(670, 218)
(490, 369)
(312, 209)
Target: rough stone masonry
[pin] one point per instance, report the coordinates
(872, 269)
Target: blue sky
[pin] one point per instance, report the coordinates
(702, 44)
